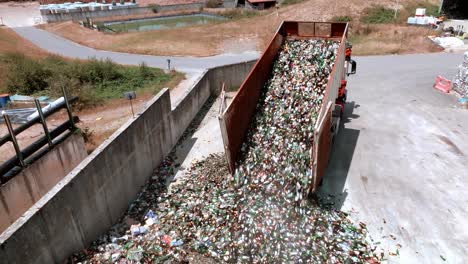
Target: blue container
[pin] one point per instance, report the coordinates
(4, 99)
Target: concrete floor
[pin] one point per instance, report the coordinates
(205, 140)
(401, 160)
(399, 163)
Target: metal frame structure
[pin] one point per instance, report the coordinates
(51, 138)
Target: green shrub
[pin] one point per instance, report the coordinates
(144, 71)
(378, 15)
(26, 76)
(341, 19)
(96, 71)
(238, 13)
(93, 80)
(154, 7)
(432, 10)
(213, 3)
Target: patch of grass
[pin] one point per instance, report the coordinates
(431, 9)
(213, 3)
(410, 9)
(238, 13)
(94, 80)
(341, 19)
(378, 15)
(291, 2)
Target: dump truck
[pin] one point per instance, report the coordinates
(236, 119)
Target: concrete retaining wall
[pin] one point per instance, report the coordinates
(230, 3)
(94, 195)
(32, 183)
(82, 15)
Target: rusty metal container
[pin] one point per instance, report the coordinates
(235, 120)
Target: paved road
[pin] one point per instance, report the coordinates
(401, 159)
(193, 67)
(22, 16)
(58, 45)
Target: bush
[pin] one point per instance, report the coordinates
(238, 13)
(378, 15)
(94, 80)
(154, 7)
(95, 71)
(213, 3)
(144, 71)
(341, 19)
(26, 76)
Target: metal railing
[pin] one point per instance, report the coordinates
(29, 154)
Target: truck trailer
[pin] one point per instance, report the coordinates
(240, 116)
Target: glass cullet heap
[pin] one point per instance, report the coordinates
(274, 171)
(460, 83)
(259, 215)
(276, 154)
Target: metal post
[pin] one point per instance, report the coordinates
(13, 139)
(221, 104)
(69, 110)
(441, 6)
(396, 8)
(130, 96)
(43, 121)
(131, 106)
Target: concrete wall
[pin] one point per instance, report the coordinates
(82, 15)
(32, 183)
(98, 191)
(230, 3)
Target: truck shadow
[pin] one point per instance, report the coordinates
(333, 192)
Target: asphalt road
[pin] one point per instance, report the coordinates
(61, 46)
(401, 159)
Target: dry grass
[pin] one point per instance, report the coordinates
(207, 40)
(391, 39)
(256, 32)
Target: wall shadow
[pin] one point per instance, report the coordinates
(187, 141)
(333, 192)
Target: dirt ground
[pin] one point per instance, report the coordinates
(248, 33)
(392, 39)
